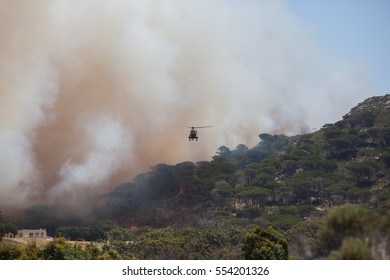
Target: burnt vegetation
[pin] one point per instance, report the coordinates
(326, 192)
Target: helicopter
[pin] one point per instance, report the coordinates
(194, 133)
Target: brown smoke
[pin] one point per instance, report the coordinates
(92, 92)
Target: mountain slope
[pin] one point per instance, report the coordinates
(279, 182)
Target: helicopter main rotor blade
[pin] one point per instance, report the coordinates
(200, 126)
(203, 126)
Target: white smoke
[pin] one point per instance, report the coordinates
(92, 92)
(108, 141)
(17, 166)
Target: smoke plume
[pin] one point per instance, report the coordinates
(93, 92)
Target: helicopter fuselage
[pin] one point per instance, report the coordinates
(193, 135)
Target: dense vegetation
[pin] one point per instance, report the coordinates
(279, 182)
(121, 243)
(346, 232)
(298, 185)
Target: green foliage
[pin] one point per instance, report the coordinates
(362, 119)
(284, 195)
(58, 249)
(249, 212)
(187, 243)
(223, 154)
(353, 232)
(9, 252)
(357, 195)
(306, 210)
(302, 239)
(254, 192)
(340, 145)
(364, 171)
(79, 233)
(343, 222)
(105, 229)
(8, 228)
(318, 165)
(264, 178)
(336, 194)
(386, 158)
(255, 196)
(308, 186)
(119, 234)
(352, 249)
(265, 244)
(289, 167)
(282, 221)
(31, 252)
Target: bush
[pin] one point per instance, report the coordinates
(265, 244)
(352, 249)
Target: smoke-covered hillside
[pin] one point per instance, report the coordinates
(288, 182)
(92, 92)
(280, 181)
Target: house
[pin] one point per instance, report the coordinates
(9, 235)
(32, 233)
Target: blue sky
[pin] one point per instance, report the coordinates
(357, 30)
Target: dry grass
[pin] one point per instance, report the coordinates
(43, 242)
(25, 241)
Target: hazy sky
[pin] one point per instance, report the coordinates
(358, 30)
(93, 92)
